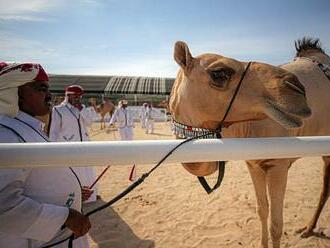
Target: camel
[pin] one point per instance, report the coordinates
(105, 107)
(272, 101)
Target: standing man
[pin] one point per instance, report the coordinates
(91, 111)
(143, 115)
(34, 203)
(69, 123)
(149, 119)
(124, 117)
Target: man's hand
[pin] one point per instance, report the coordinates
(77, 223)
(86, 192)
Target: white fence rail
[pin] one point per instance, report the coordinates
(19, 155)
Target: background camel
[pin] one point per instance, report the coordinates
(106, 107)
(272, 95)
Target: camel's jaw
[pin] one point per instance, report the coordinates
(289, 118)
(201, 169)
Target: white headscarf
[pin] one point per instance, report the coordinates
(13, 75)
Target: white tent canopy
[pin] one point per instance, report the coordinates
(109, 85)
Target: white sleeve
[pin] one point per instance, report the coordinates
(8, 136)
(113, 117)
(55, 125)
(20, 215)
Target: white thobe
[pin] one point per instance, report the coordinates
(89, 113)
(143, 116)
(125, 121)
(34, 202)
(150, 120)
(70, 124)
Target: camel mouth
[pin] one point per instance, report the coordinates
(289, 118)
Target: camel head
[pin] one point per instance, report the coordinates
(206, 84)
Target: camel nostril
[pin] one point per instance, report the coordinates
(296, 86)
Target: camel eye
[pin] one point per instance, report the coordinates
(221, 77)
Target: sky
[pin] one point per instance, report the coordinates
(136, 37)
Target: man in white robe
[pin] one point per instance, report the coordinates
(69, 122)
(143, 115)
(35, 204)
(90, 113)
(124, 117)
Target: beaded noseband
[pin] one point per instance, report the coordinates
(183, 131)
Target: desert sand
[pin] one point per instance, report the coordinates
(170, 209)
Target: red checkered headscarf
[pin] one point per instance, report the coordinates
(13, 75)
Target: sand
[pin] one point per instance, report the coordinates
(170, 209)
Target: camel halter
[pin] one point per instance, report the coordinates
(184, 131)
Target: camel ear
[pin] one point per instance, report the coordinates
(182, 54)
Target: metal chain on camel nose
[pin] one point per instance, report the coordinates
(145, 175)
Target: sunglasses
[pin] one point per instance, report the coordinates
(39, 87)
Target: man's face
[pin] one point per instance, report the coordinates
(74, 99)
(35, 98)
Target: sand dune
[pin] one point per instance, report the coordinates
(170, 209)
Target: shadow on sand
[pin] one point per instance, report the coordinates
(109, 230)
(321, 235)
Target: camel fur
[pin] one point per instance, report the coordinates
(278, 97)
(106, 107)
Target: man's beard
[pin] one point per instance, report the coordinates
(75, 101)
